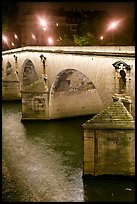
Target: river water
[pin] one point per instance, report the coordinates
(44, 161)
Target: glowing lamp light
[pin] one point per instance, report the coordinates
(113, 25)
(33, 36)
(50, 41)
(101, 38)
(13, 44)
(5, 39)
(44, 28)
(42, 22)
(15, 36)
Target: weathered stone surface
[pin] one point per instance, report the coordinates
(115, 116)
(73, 94)
(35, 100)
(71, 81)
(109, 142)
(11, 77)
(34, 105)
(38, 86)
(94, 62)
(9, 68)
(29, 74)
(11, 87)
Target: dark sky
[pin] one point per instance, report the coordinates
(116, 9)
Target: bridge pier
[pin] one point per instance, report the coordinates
(109, 143)
(11, 87)
(35, 101)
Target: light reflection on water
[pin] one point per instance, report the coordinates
(46, 158)
(43, 157)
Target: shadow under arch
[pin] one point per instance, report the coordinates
(9, 68)
(73, 94)
(28, 74)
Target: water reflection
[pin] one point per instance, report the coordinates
(46, 160)
(109, 190)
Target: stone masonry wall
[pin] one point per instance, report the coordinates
(110, 152)
(93, 62)
(109, 142)
(34, 105)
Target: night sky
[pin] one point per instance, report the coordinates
(115, 9)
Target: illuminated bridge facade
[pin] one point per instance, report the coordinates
(58, 82)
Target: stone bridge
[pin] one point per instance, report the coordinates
(58, 82)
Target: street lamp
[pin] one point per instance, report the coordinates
(44, 28)
(113, 25)
(43, 24)
(101, 39)
(13, 44)
(5, 39)
(50, 41)
(16, 38)
(33, 36)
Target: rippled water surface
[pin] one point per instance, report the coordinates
(45, 161)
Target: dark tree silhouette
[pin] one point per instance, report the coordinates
(9, 15)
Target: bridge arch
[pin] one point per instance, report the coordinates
(28, 74)
(73, 93)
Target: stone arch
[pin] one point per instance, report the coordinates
(29, 74)
(73, 93)
(8, 68)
